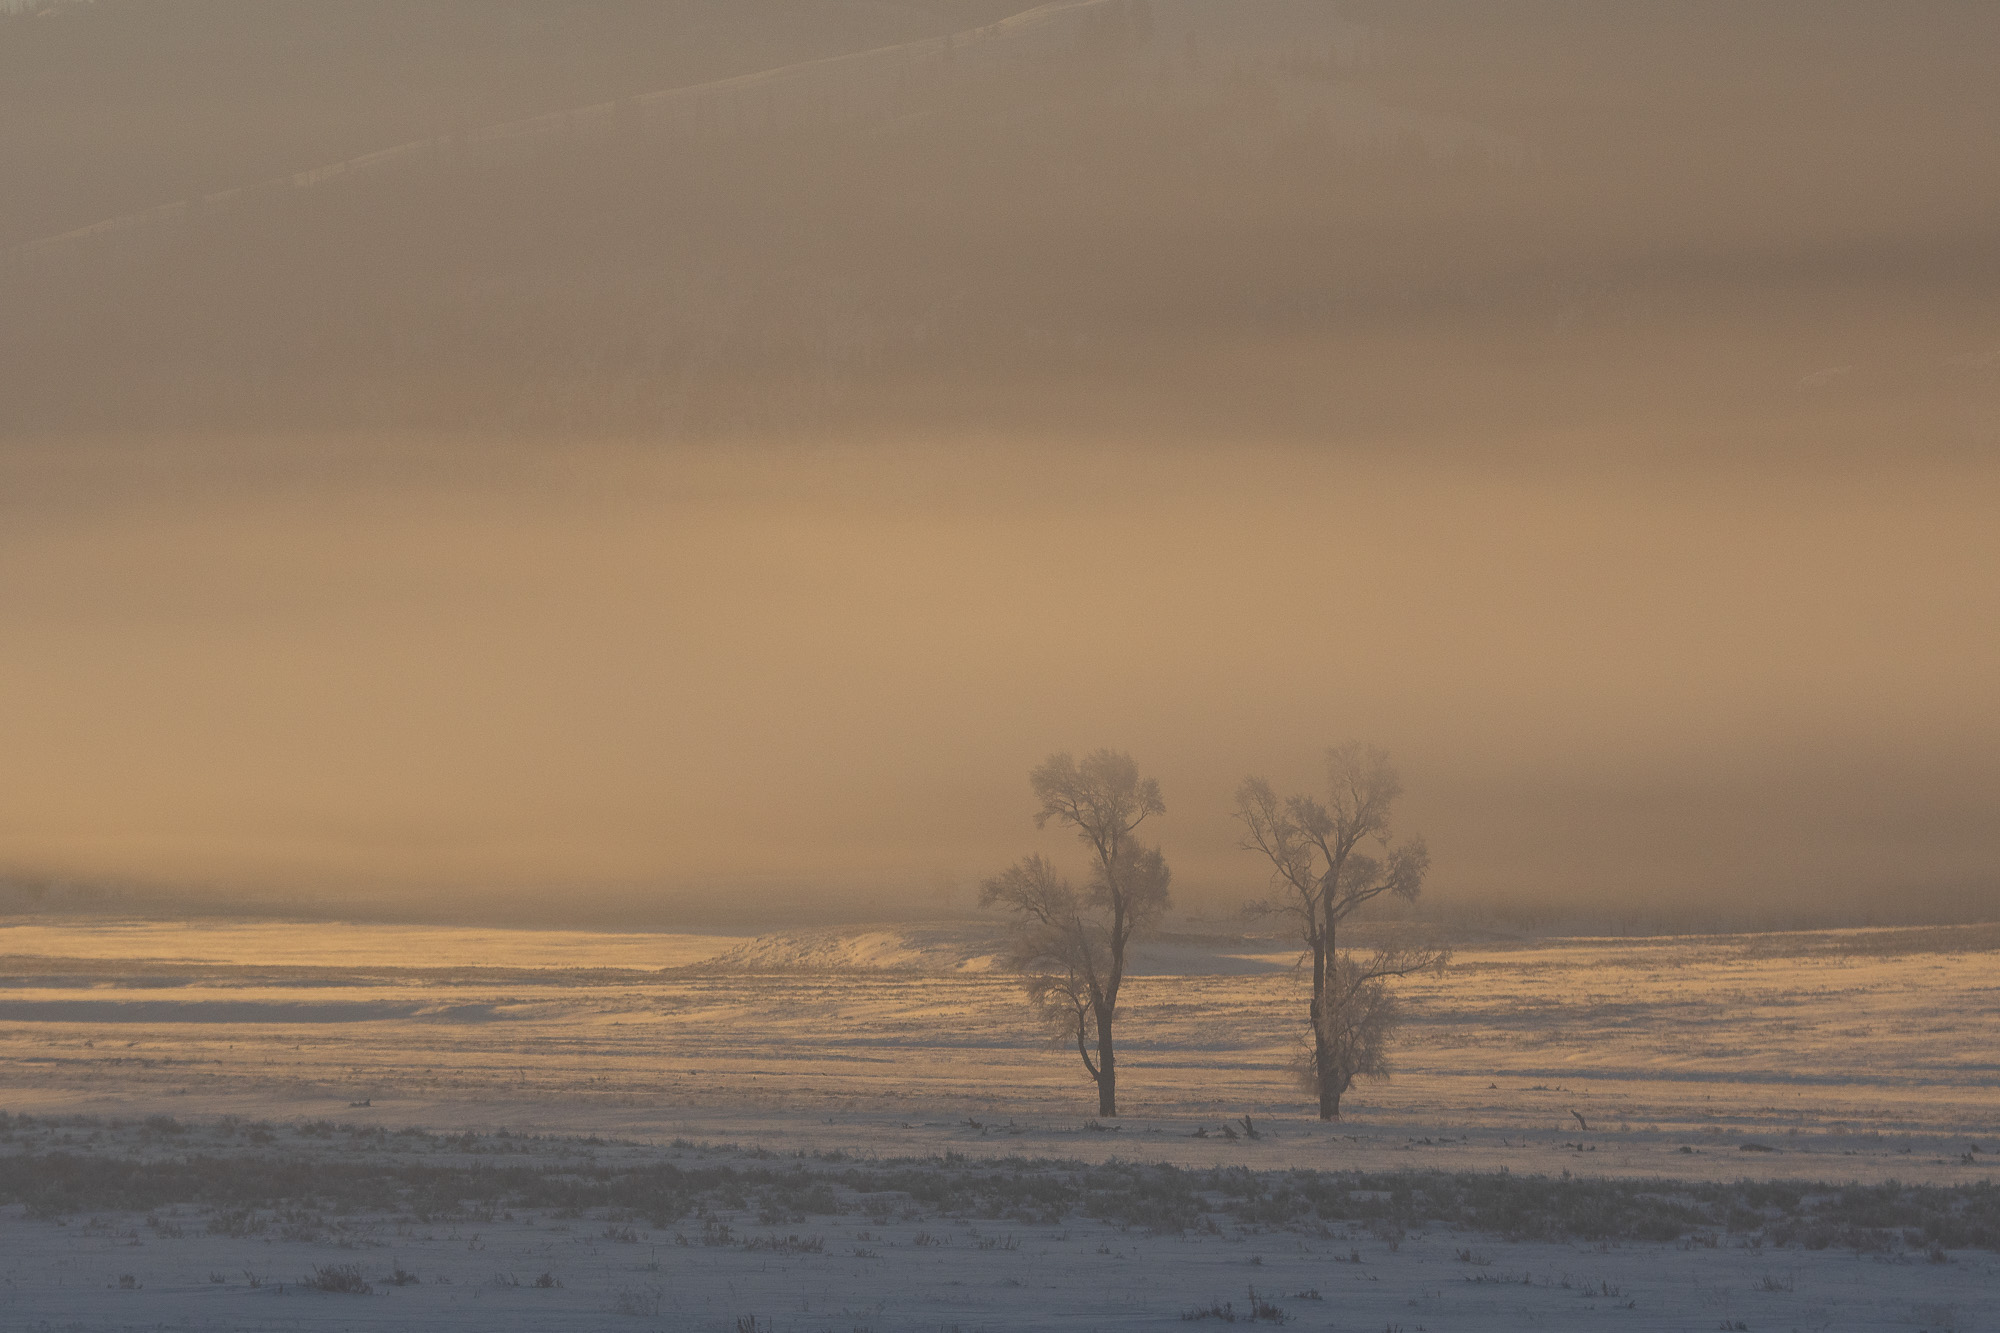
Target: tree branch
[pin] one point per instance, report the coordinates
(1083, 1050)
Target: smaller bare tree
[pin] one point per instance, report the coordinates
(1321, 878)
(1070, 947)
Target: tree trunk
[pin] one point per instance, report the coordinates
(1107, 1068)
(1329, 1092)
(1329, 1097)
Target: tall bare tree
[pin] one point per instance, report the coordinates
(1322, 873)
(1070, 946)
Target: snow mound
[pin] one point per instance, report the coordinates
(886, 949)
(976, 947)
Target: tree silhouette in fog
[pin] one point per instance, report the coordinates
(1070, 945)
(1321, 877)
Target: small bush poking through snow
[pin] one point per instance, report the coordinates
(344, 1279)
(639, 1301)
(787, 1244)
(1260, 1311)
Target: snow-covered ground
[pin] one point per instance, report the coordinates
(1829, 1056)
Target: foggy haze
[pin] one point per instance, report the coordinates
(689, 509)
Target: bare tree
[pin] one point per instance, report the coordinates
(1070, 946)
(1321, 877)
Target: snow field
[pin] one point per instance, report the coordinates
(513, 1232)
(1826, 1057)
